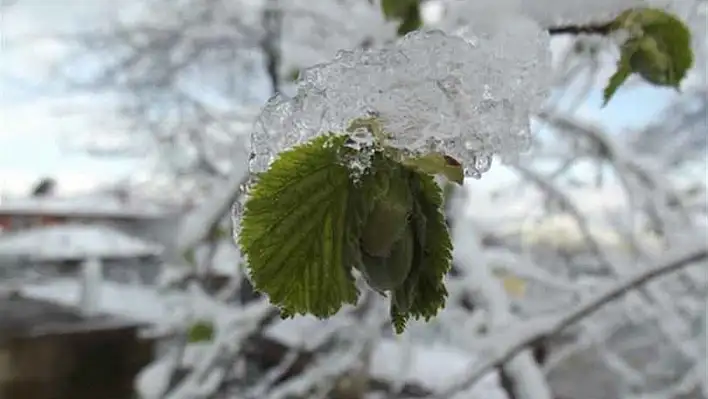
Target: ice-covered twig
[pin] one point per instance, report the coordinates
(623, 163)
(643, 186)
(568, 206)
(523, 371)
(251, 320)
(261, 388)
(546, 327)
(198, 223)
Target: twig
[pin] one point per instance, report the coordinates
(597, 29)
(552, 327)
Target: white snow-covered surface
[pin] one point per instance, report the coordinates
(425, 88)
(141, 303)
(73, 241)
(163, 312)
(135, 302)
(86, 205)
(153, 381)
(430, 366)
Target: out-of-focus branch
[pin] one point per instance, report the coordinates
(596, 29)
(270, 44)
(198, 223)
(521, 376)
(526, 334)
(622, 163)
(568, 206)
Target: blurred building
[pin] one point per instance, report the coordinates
(136, 218)
(59, 250)
(55, 234)
(51, 351)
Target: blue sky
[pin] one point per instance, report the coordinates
(38, 124)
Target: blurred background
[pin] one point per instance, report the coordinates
(124, 142)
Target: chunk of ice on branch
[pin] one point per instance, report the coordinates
(467, 97)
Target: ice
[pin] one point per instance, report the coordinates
(468, 95)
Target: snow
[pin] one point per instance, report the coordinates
(141, 303)
(153, 381)
(86, 205)
(501, 108)
(431, 366)
(134, 302)
(91, 277)
(431, 90)
(558, 13)
(199, 222)
(309, 37)
(73, 241)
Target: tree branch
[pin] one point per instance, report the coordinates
(597, 29)
(196, 225)
(545, 328)
(270, 45)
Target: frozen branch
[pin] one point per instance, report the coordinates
(198, 223)
(521, 375)
(526, 334)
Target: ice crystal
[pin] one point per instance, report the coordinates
(468, 97)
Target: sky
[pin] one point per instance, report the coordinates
(41, 128)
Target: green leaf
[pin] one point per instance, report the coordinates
(407, 11)
(423, 293)
(390, 212)
(300, 229)
(388, 272)
(411, 21)
(616, 80)
(292, 74)
(219, 233)
(190, 257)
(200, 331)
(397, 9)
(387, 241)
(658, 49)
(309, 221)
(438, 164)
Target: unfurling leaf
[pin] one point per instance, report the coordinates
(200, 331)
(308, 222)
(658, 49)
(384, 273)
(617, 79)
(423, 293)
(391, 210)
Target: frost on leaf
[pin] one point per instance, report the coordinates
(434, 92)
(309, 222)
